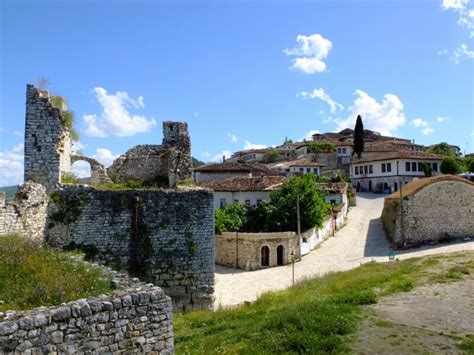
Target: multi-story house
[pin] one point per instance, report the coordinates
(383, 171)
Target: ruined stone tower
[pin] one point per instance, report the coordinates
(47, 141)
(178, 145)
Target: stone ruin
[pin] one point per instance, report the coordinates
(48, 151)
(163, 236)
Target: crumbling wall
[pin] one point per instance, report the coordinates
(98, 171)
(26, 214)
(136, 320)
(47, 142)
(162, 236)
(164, 165)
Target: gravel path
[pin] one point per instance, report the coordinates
(360, 241)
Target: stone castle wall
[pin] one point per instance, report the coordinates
(26, 215)
(443, 210)
(47, 143)
(163, 236)
(135, 320)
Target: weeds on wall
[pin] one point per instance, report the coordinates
(67, 116)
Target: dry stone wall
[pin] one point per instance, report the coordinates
(135, 320)
(26, 215)
(444, 210)
(47, 143)
(164, 236)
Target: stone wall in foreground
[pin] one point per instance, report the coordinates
(162, 236)
(135, 320)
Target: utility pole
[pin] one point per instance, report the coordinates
(298, 219)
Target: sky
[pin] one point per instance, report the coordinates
(243, 74)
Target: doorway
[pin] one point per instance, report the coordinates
(280, 258)
(265, 256)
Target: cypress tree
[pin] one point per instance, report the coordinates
(359, 137)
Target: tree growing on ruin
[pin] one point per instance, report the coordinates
(359, 137)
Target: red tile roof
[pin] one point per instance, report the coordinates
(389, 155)
(265, 183)
(254, 168)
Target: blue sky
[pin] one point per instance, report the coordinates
(241, 73)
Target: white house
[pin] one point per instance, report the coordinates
(385, 171)
(297, 167)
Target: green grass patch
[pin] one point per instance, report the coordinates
(318, 315)
(33, 276)
(467, 344)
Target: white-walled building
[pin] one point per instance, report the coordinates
(297, 167)
(385, 171)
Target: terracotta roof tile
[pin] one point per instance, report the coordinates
(401, 154)
(254, 168)
(235, 184)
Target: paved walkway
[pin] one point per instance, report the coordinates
(360, 241)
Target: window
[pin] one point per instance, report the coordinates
(435, 167)
(247, 203)
(356, 170)
(407, 166)
(344, 150)
(301, 170)
(413, 166)
(366, 169)
(384, 169)
(222, 202)
(308, 170)
(420, 167)
(389, 167)
(259, 201)
(339, 160)
(235, 201)
(338, 150)
(315, 171)
(371, 169)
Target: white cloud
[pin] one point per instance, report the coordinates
(81, 169)
(384, 117)
(11, 165)
(309, 135)
(206, 154)
(77, 147)
(418, 122)
(427, 131)
(18, 133)
(218, 157)
(440, 119)
(115, 119)
(105, 156)
(465, 10)
(322, 95)
(443, 52)
(311, 51)
(249, 145)
(461, 52)
(233, 138)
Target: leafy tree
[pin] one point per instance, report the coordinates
(442, 149)
(317, 147)
(427, 169)
(281, 208)
(359, 137)
(287, 141)
(272, 155)
(256, 218)
(230, 218)
(450, 165)
(470, 165)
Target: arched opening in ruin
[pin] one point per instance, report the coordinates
(82, 170)
(280, 255)
(265, 256)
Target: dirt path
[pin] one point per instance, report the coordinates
(360, 241)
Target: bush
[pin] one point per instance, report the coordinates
(451, 165)
(230, 218)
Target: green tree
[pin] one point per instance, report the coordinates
(359, 137)
(427, 169)
(442, 149)
(230, 218)
(281, 208)
(272, 155)
(450, 165)
(287, 141)
(470, 165)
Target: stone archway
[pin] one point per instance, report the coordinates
(98, 171)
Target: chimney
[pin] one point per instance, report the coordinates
(223, 158)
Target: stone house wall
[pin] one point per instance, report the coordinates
(135, 320)
(162, 236)
(26, 215)
(443, 210)
(243, 250)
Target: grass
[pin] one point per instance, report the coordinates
(317, 316)
(33, 276)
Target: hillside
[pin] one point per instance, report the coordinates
(10, 191)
